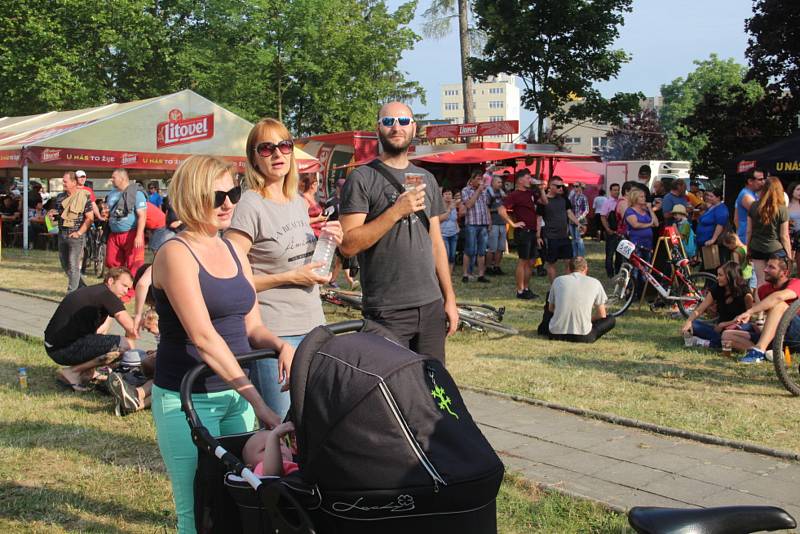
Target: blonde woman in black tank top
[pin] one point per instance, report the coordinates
(207, 308)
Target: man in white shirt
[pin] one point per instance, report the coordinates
(570, 303)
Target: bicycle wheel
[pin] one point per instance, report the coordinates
(343, 298)
(482, 323)
(620, 291)
(99, 259)
(693, 290)
(786, 352)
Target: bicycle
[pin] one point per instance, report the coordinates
(786, 352)
(682, 287)
(475, 316)
(94, 252)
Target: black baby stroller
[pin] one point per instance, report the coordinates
(385, 444)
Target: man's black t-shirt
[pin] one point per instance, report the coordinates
(81, 313)
(555, 217)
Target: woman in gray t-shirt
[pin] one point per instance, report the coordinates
(271, 225)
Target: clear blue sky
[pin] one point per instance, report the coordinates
(663, 37)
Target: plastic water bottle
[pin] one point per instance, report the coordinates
(323, 253)
(22, 378)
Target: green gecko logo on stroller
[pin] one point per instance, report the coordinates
(440, 394)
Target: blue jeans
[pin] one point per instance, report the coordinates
(497, 238)
(577, 241)
(70, 250)
(264, 376)
(705, 330)
(450, 246)
(475, 238)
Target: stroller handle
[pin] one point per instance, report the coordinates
(200, 435)
(202, 370)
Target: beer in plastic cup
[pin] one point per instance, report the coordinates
(727, 347)
(687, 339)
(412, 181)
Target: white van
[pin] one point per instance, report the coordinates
(618, 172)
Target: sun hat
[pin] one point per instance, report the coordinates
(679, 208)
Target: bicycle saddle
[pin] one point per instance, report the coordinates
(722, 520)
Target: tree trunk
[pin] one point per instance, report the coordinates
(466, 79)
(540, 129)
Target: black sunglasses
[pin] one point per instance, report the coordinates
(234, 194)
(265, 150)
(558, 186)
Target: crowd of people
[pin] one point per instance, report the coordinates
(233, 272)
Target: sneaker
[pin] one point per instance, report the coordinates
(753, 355)
(525, 294)
(333, 284)
(483, 279)
(700, 342)
(125, 395)
(530, 293)
(465, 279)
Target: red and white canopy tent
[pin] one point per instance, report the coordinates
(155, 134)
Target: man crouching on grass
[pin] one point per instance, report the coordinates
(76, 334)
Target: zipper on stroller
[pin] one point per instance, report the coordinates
(423, 459)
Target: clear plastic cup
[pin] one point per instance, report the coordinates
(727, 347)
(412, 180)
(687, 339)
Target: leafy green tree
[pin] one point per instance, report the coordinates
(79, 53)
(734, 120)
(773, 48)
(639, 136)
(559, 48)
(681, 96)
(320, 65)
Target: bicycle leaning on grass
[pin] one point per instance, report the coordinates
(475, 316)
(682, 287)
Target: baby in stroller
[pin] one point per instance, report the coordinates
(267, 452)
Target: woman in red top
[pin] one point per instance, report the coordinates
(308, 188)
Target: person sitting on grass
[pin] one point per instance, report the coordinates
(76, 334)
(775, 295)
(267, 454)
(572, 297)
(731, 296)
(731, 241)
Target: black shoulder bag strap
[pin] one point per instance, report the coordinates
(381, 168)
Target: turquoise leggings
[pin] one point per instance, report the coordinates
(222, 413)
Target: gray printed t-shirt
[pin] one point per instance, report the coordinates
(398, 271)
(282, 241)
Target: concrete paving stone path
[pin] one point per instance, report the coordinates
(615, 465)
(624, 467)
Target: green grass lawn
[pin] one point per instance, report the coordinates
(69, 465)
(639, 370)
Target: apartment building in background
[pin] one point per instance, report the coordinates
(496, 99)
(586, 137)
